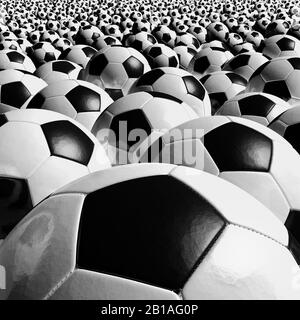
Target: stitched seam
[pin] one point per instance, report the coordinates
(60, 283)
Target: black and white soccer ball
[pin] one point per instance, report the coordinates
(165, 35)
(159, 55)
(221, 86)
(46, 151)
(9, 44)
(243, 152)
(79, 100)
(280, 46)
(62, 44)
(187, 39)
(43, 52)
(11, 59)
(189, 265)
(280, 77)
(234, 39)
(58, 70)
(140, 41)
(277, 26)
(255, 37)
(257, 106)
(147, 113)
(80, 54)
(88, 35)
(185, 55)
(217, 31)
(115, 69)
(199, 32)
(209, 60)
(49, 36)
(16, 88)
(245, 64)
(177, 83)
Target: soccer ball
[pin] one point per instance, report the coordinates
(177, 83)
(257, 106)
(279, 77)
(234, 39)
(11, 59)
(209, 60)
(16, 88)
(9, 44)
(277, 27)
(79, 100)
(140, 41)
(88, 35)
(62, 44)
(159, 55)
(57, 70)
(280, 46)
(245, 64)
(217, 31)
(41, 151)
(165, 35)
(187, 39)
(199, 32)
(150, 112)
(241, 151)
(43, 52)
(287, 125)
(80, 54)
(185, 55)
(115, 68)
(171, 263)
(256, 38)
(221, 86)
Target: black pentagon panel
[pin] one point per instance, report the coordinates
(292, 135)
(235, 147)
(286, 44)
(256, 105)
(63, 66)
(134, 119)
(3, 119)
(292, 223)
(217, 99)
(218, 27)
(65, 140)
(109, 40)
(239, 61)
(150, 77)
(185, 228)
(97, 65)
(237, 79)
(15, 56)
(134, 67)
(155, 52)
(14, 94)
(115, 94)
(166, 37)
(38, 45)
(194, 87)
(201, 64)
(49, 56)
(84, 99)
(173, 62)
(294, 244)
(36, 102)
(191, 51)
(156, 94)
(15, 203)
(278, 88)
(195, 43)
(295, 62)
(137, 44)
(88, 51)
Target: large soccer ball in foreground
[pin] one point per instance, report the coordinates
(41, 151)
(186, 235)
(241, 151)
